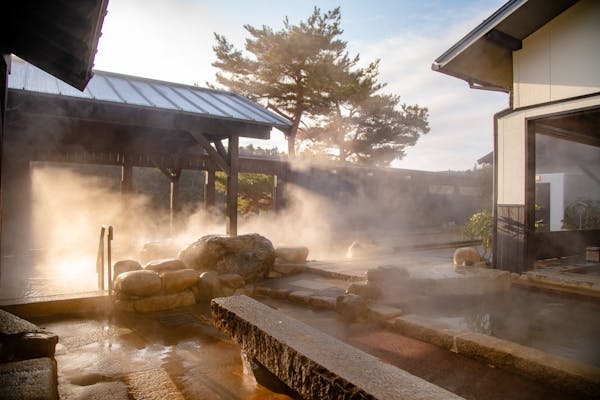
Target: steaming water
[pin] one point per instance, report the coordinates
(563, 326)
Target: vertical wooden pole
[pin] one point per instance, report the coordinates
(109, 239)
(279, 183)
(100, 260)
(232, 184)
(209, 189)
(174, 204)
(4, 67)
(126, 175)
(275, 194)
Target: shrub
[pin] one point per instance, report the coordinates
(480, 226)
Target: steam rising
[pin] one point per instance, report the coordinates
(70, 208)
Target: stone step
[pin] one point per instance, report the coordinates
(28, 380)
(312, 363)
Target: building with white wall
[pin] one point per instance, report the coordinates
(546, 56)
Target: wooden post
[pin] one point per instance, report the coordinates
(174, 204)
(126, 175)
(209, 189)
(278, 192)
(232, 184)
(4, 67)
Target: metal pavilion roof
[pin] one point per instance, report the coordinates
(126, 89)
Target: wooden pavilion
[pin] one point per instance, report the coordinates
(131, 122)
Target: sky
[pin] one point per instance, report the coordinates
(172, 40)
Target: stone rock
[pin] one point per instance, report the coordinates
(164, 302)
(466, 256)
(366, 290)
(137, 283)
(386, 273)
(165, 264)
(159, 250)
(126, 266)
(351, 306)
(250, 256)
(295, 255)
(178, 281)
(208, 286)
(232, 280)
(388, 282)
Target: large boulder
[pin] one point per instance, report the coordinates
(137, 283)
(126, 266)
(250, 256)
(178, 281)
(165, 264)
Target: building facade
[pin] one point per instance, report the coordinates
(547, 144)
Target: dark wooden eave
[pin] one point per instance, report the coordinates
(58, 36)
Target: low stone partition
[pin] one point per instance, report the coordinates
(568, 375)
(310, 362)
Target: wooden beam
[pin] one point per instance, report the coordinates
(212, 153)
(232, 185)
(220, 148)
(505, 40)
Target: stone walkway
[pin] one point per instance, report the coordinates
(179, 355)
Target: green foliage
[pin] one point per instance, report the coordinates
(582, 214)
(480, 226)
(304, 70)
(255, 192)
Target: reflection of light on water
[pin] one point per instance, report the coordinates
(67, 274)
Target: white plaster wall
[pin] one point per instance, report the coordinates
(557, 198)
(511, 160)
(511, 146)
(561, 59)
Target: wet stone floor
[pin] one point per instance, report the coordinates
(179, 355)
(167, 356)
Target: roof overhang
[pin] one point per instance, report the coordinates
(483, 57)
(59, 37)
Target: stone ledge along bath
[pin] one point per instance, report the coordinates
(310, 362)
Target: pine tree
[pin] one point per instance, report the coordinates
(304, 72)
